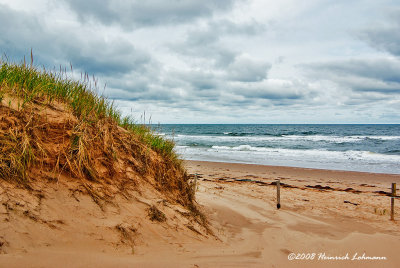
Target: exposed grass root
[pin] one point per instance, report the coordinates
(155, 214)
(50, 124)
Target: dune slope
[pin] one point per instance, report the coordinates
(74, 174)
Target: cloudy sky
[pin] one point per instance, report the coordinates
(222, 61)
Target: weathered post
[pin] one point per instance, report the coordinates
(278, 193)
(195, 182)
(392, 201)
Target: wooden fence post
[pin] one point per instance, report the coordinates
(195, 182)
(392, 201)
(278, 193)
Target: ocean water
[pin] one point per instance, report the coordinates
(369, 148)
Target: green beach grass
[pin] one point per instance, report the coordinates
(86, 140)
(28, 83)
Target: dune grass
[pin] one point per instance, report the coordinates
(30, 84)
(91, 147)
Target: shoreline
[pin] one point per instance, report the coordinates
(276, 172)
(291, 167)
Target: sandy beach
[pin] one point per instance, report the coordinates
(350, 217)
(342, 222)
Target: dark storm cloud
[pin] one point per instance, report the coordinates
(378, 75)
(133, 13)
(21, 31)
(211, 53)
(109, 58)
(190, 88)
(146, 93)
(191, 80)
(385, 37)
(18, 31)
(269, 91)
(392, 88)
(205, 41)
(214, 30)
(219, 64)
(360, 98)
(381, 69)
(183, 86)
(247, 70)
(200, 80)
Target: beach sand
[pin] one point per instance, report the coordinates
(324, 213)
(312, 219)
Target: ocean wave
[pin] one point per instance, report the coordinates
(178, 147)
(313, 138)
(395, 151)
(309, 153)
(309, 158)
(333, 139)
(382, 137)
(238, 134)
(304, 133)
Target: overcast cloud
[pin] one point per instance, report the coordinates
(225, 61)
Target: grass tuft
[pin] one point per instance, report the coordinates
(29, 84)
(155, 214)
(16, 154)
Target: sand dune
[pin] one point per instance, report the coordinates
(72, 231)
